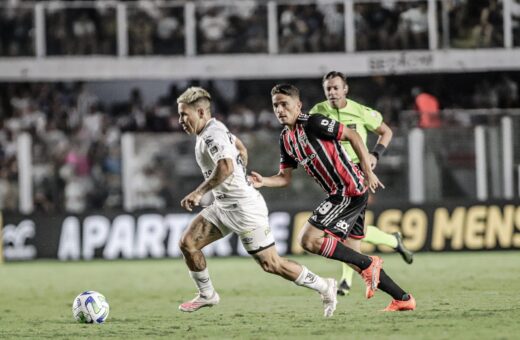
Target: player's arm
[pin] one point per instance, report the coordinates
(223, 170)
(364, 158)
(385, 136)
(282, 179)
(242, 150)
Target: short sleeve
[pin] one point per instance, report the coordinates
(286, 161)
(220, 145)
(372, 119)
(323, 127)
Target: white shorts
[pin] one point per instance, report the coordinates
(250, 222)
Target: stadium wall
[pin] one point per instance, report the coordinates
(116, 235)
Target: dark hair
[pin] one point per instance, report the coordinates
(286, 89)
(334, 74)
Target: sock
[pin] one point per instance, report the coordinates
(387, 285)
(348, 274)
(377, 237)
(333, 249)
(203, 282)
(310, 280)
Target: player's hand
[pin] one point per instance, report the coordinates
(373, 182)
(191, 200)
(256, 179)
(373, 161)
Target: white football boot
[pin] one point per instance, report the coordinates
(329, 298)
(200, 301)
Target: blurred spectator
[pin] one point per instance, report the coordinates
(476, 24)
(301, 29)
(334, 21)
(428, 108)
(213, 24)
(169, 32)
(413, 27)
(140, 35)
(85, 32)
(376, 25)
(80, 31)
(16, 29)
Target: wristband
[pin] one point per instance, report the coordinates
(378, 150)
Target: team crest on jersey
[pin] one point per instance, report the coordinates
(213, 150)
(303, 138)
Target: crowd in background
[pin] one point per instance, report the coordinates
(158, 27)
(77, 137)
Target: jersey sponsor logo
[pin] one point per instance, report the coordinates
(331, 126)
(342, 225)
(213, 150)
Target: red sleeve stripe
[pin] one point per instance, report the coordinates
(340, 131)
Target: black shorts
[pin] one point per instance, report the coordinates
(342, 217)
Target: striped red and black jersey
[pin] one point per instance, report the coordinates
(314, 144)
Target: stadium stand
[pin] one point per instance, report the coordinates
(77, 130)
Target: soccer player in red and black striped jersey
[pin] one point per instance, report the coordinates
(314, 143)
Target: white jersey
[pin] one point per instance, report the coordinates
(214, 143)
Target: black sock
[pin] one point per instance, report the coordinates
(333, 249)
(387, 285)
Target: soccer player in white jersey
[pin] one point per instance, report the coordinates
(238, 208)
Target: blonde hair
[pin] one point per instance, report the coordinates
(193, 95)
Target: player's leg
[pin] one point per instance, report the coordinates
(357, 233)
(377, 237)
(400, 298)
(353, 242)
(318, 242)
(272, 263)
(345, 283)
(199, 234)
(331, 223)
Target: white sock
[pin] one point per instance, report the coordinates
(203, 282)
(310, 280)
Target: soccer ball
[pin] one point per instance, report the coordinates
(90, 307)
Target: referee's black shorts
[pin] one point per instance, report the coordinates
(342, 217)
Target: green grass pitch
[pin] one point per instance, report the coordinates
(459, 296)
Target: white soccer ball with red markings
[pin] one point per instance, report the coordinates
(90, 307)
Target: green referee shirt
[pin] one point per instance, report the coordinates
(355, 116)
